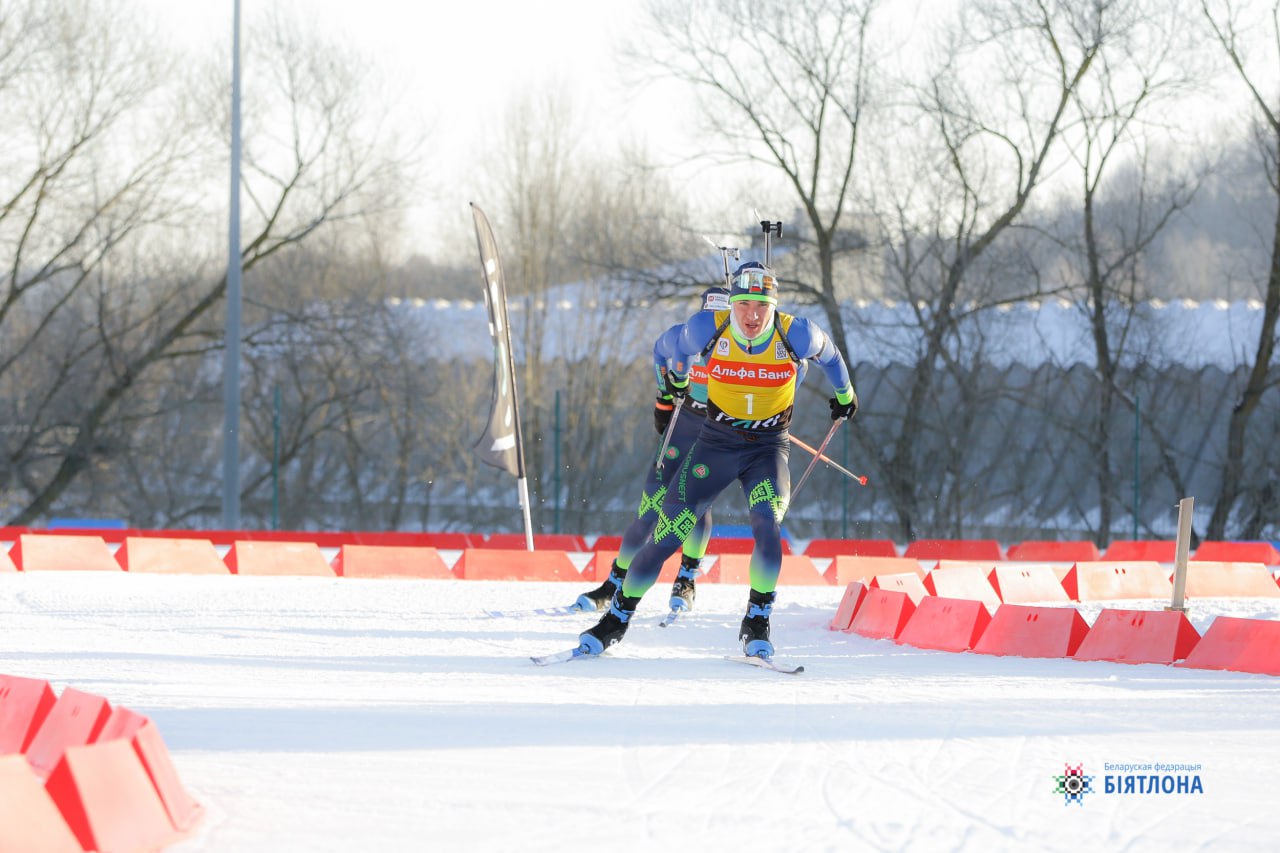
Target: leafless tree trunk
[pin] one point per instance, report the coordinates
(1225, 22)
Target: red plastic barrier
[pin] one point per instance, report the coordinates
(541, 542)
(34, 552)
(882, 615)
(952, 580)
(1108, 580)
(851, 548)
(796, 570)
(278, 558)
(390, 561)
(1239, 645)
(183, 811)
(74, 720)
(1033, 632)
(108, 800)
(123, 724)
(29, 820)
(24, 704)
(1061, 552)
(170, 556)
(849, 603)
(1138, 636)
(954, 549)
(1238, 552)
(1158, 550)
(907, 583)
(1025, 584)
(945, 624)
(845, 569)
(492, 564)
(1230, 580)
(6, 563)
(607, 543)
(601, 563)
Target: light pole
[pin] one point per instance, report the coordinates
(231, 362)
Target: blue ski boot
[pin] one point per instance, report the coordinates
(612, 625)
(754, 632)
(683, 591)
(598, 599)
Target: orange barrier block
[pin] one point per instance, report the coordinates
(844, 569)
(108, 800)
(1138, 636)
(849, 602)
(541, 542)
(954, 549)
(907, 583)
(1239, 645)
(29, 820)
(24, 704)
(390, 561)
(43, 552)
(170, 556)
(123, 724)
(1021, 584)
(1230, 580)
(1040, 550)
(882, 614)
(278, 558)
(796, 570)
(6, 562)
(1238, 552)
(952, 580)
(492, 564)
(945, 624)
(1113, 579)
(74, 720)
(1033, 632)
(1159, 550)
(851, 548)
(183, 811)
(601, 563)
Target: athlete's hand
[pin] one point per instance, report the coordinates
(675, 391)
(662, 410)
(843, 410)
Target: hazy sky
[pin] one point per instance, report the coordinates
(459, 65)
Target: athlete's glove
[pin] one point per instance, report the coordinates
(662, 410)
(843, 410)
(674, 388)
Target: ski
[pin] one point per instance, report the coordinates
(539, 611)
(766, 663)
(670, 618)
(560, 657)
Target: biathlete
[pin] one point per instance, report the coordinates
(753, 355)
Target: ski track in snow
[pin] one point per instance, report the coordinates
(336, 714)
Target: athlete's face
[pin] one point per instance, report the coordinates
(753, 317)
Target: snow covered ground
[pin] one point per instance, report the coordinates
(337, 714)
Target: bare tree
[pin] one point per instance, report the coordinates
(1225, 20)
(322, 163)
(993, 112)
(787, 86)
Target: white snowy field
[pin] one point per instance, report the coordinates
(337, 714)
